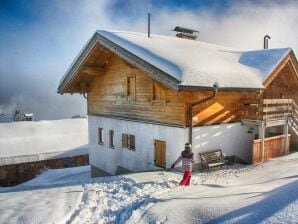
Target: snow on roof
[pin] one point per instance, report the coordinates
(33, 141)
(264, 60)
(193, 63)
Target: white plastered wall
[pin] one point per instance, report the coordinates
(233, 139)
(107, 159)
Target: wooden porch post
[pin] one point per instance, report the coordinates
(286, 133)
(262, 136)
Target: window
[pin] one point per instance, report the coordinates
(131, 87)
(111, 137)
(100, 136)
(128, 141)
(159, 92)
(131, 142)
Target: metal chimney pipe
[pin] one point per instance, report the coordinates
(149, 25)
(266, 37)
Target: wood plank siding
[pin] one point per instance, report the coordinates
(124, 91)
(113, 93)
(284, 85)
(273, 147)
(225, 107)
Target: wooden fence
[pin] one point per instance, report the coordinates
(14, 174)
(273, 147)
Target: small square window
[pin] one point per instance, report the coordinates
(111, 137)
(128, 141)
(100, 136)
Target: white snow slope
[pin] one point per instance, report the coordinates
(29, 141)
(266, 193)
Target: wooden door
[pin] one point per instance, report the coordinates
(160, 153)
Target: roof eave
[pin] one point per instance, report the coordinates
(132, 59)
(207, 88)
(271, 75)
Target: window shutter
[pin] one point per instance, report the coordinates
(131, 86)
(124, 141)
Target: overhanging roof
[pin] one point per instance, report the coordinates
(183, 64)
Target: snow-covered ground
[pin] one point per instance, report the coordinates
(29, 141)
(266, 193)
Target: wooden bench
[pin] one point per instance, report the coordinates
(212, 159)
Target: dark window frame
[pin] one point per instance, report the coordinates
(100, 136)
(111, 139)
(129, 142)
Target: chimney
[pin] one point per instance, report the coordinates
(266, 38)
(186, 33)
(148, 25)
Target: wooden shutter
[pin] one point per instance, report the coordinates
(124, 141)
(131, 86)
(159, 92)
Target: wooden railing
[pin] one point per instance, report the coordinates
(273, 147)
(294, 117)
(267, 109)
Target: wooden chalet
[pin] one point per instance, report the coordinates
(140, 92)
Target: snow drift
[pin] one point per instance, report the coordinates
(33, 141)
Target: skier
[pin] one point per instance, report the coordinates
(187, 161)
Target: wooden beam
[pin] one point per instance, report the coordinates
(293, 68)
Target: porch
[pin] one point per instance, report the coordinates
(271, 120)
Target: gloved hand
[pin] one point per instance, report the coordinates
(172, 166)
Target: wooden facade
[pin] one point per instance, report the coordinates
(126, 92)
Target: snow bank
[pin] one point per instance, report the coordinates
(267, 193)
(33, 141)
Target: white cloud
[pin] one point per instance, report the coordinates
(41, 52)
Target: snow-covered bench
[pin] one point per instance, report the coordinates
(212, 159)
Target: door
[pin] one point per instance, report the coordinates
(160, 153)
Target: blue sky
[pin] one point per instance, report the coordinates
(40, 38)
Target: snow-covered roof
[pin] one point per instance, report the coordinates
(192, 63)
(34, 141)
(264, 60)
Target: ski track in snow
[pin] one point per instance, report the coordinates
(114, 201)
(117, 199)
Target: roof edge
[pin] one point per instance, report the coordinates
(132, 59)
(237, 89)
(269, 77)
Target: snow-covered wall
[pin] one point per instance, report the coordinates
(29, 141)
(233, 139)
